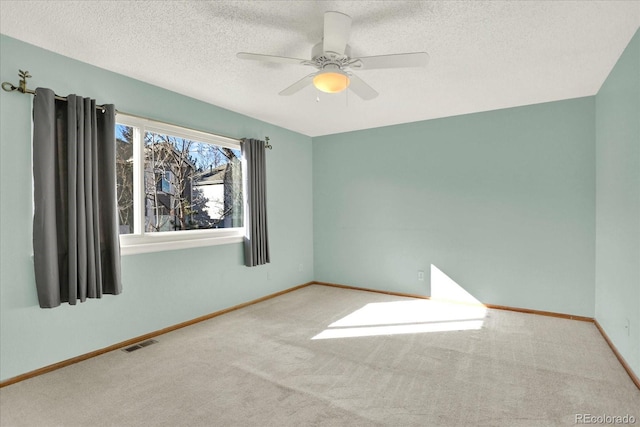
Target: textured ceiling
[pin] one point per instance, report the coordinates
(484, 55)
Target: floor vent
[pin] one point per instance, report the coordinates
(139, 345)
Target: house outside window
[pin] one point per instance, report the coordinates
(163, 180)
(176, 187)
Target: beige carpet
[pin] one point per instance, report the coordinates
(323, 356)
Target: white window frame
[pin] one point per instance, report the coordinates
(141, 242)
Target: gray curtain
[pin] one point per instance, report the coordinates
(75, 227)
(256, 241)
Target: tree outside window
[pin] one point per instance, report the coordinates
(187, 184)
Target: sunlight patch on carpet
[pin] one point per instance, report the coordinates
(406, 317)
(451, 308)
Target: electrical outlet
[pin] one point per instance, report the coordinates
(300, 267)
(627, 325)
(268, 275)
(420, 276)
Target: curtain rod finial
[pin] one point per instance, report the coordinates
(22, 85)
(8, 87)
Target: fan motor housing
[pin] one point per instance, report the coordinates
(322, 58)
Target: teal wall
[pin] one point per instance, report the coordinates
(160, 289)
(502, 202)
(618, 205)
(517, 206)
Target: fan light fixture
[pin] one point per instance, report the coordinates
(331, 81)
(332, 59)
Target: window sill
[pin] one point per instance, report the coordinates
(157, 242)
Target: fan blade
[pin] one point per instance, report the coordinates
(271, 58)
(299, 85)
(337, 28)
(360, 88)
(400, 60)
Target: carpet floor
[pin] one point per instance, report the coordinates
(323, 356)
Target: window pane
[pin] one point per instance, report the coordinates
(190, 185)
(124, 177)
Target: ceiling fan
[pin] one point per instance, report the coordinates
(332, 58)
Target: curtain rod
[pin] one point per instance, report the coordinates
(22, 88)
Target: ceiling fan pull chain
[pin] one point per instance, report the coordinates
(346, 98)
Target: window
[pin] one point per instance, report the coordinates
(163, 181)
(176, 187)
